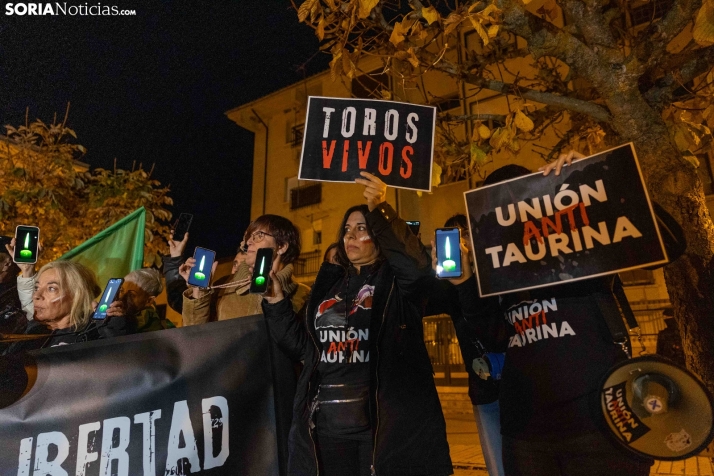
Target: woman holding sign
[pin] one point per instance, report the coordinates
(366, 401)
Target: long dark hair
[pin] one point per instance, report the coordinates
(341, 253)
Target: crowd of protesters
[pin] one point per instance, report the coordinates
(365, 400)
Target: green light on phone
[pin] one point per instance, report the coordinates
(26, 253)
(260, 280)
(199, 274)
(103, 308)
(448, 264)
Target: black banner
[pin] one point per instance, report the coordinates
(392, 140)
(194, 400)
(595, 218)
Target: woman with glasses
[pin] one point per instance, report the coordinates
(366, 402)
(267, 231)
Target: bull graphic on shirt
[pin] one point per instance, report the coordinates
(331, 312)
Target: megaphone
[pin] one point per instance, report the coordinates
(657, 409)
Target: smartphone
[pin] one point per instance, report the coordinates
(201, 272)
(108, 296)
(261, 271)
(27, 239)
(414, 227)
(181, 227)
(448, 253)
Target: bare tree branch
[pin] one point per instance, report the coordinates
(652, 42)
(681, 69)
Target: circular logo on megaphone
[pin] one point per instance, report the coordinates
(657, 409)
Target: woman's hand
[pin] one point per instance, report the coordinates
(563, 159)
(274, 293)
(27, 269)
(467, 272)
(375, 191)
(116, 309)
(176, 247)
(185, 272)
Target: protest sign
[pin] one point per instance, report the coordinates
(392, 140)
(594, 219)
(194, 400)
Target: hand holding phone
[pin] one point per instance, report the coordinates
(181, 227)
(108, 297)
(200, 274)
(27, 241)
(260, 279)
(448, 253)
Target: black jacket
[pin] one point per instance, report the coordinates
(408, 427)
(175, 284)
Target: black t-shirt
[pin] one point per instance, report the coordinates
(342, 327)
(559, 349)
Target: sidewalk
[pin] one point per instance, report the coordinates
(467, 457)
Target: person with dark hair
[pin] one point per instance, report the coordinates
(474, 341)
(549, 387)
(330, 254)
(267, 231)
(366, 402)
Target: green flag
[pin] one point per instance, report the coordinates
(114, 252)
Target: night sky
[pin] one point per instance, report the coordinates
(153, 88)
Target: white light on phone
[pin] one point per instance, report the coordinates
(447, 248)
(203, 260)
(262, 264)
(109, 292)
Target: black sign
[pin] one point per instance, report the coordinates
(595, 218)
(392, 140)
(195, 400)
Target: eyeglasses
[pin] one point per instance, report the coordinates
(258, 236)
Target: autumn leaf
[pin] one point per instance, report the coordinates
(452, 22)
(703, 32)
(484, 132)
(320, 30)
(366, 7)
(691, 158)
(478, 156)
(430, 15)
(523, 122)
(493, 31)
(413, 58)
(398, 34)
(305, 9)
(386, 94)
(479, 29)
(335, 65)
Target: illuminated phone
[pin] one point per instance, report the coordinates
(448, 253)
(108, 296)
(261, 271)
(200, 274)
(414, 227)
(182, 225)
(27, 239)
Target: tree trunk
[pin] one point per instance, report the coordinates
(674, 184)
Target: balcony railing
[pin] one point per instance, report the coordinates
(305, 196)
(307, 264)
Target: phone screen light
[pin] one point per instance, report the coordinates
(260, 279)
(26, 253)
(448, 264)
(199, 274)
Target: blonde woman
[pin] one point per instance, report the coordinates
(63, 305)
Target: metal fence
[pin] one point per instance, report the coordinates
(308, 264)
(444, 352)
